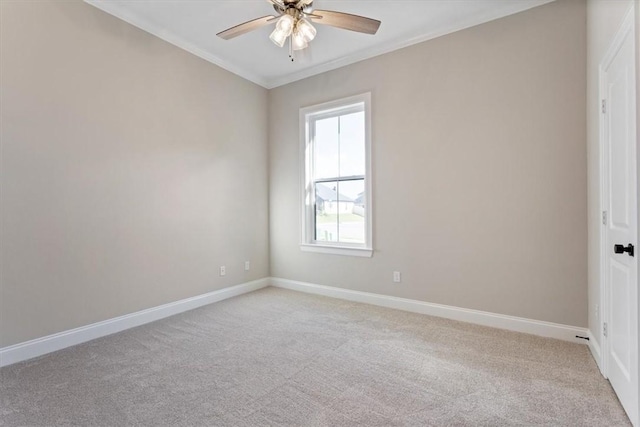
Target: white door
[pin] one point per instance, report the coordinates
(621, 251)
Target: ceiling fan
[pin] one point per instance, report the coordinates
(294, 23)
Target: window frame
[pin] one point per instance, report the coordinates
(307, 204)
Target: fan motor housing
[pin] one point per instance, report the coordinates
(293, 5)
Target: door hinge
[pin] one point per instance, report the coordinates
(604, 106)
(604, 329)
(604, 217)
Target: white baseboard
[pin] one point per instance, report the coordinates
(40, 346)
(595, 351)
(501, 321)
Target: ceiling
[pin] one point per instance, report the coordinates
(192, 25)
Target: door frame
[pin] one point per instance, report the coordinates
(627, 27)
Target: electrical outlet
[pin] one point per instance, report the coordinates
(223, 271)
(396, 277)
(597, 311)
(247, 266)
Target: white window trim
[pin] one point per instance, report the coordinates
(307, 243)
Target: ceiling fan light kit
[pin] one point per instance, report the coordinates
(294, 23)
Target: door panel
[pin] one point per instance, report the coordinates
(618, 100)
(620, 184)
(619, 325)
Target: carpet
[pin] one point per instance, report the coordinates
(281, 358)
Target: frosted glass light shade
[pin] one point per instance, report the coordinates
(298, 42)
(278, 37)
(285, 24)
(306, 30)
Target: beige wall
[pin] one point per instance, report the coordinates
(604, 18)
(479, 169)
(130, 171)
(129, 174)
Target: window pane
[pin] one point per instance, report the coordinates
(325, 152)
(352, 154)
(351, 228)
(326, 212)
(335, 161)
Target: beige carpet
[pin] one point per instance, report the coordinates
(277, 357)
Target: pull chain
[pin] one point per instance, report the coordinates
(291, 48)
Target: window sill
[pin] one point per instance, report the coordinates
(337, 250)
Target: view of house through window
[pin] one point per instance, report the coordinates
(339, 169)
(337, 175)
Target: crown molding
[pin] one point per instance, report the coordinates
(394, 45)
(114, 10)
(271, 83)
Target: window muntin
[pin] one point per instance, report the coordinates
(336, 155)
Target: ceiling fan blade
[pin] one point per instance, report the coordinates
(245, 27)
(346, 21)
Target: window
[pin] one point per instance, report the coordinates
(336, 187)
